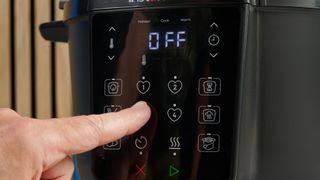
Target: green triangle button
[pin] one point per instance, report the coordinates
(173, 171)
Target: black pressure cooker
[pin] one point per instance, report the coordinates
(233, 85)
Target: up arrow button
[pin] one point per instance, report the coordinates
(112, 29)
(214, 25)
(173, 171)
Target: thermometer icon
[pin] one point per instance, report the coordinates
(111, 44)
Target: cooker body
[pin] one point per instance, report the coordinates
(186, 63)
(242, 77)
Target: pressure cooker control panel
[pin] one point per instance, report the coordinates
(184, 62)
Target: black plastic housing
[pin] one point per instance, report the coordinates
(80, 38)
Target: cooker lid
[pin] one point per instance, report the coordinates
(106, 4)
(291, 3)
(77, 7)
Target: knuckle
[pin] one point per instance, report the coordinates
(24, 129)
(22, 137)
(23, 134)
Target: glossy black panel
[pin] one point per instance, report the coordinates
(185, 63)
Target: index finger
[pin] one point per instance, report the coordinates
(79, 134)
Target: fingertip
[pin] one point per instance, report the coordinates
(142, 109)
(140, 114)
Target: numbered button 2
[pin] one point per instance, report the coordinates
(175, 85)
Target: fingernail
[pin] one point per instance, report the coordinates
(142, 109)
(140, 105)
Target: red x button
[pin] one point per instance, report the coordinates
(140, 170)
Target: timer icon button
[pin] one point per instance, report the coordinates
(214, 40)
(141, 142)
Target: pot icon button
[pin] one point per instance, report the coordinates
(209, 143)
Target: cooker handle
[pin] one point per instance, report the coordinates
(55, 31)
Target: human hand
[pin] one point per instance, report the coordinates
(32, 149)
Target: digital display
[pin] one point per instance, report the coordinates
(169, 39)
(184, 62)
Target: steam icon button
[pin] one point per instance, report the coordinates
(214, 40)
(113, 87)
(174, 143)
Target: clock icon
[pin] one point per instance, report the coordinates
(141, 142)
(214, 40)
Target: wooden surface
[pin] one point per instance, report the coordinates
(43, 63)
(5, 58)
(63, 78)
(22, 61)
(36, 80)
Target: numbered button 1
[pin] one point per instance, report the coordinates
(143, 86)
(175, 85)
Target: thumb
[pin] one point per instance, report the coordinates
(75, 135)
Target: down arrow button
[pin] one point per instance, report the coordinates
(111, 57)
